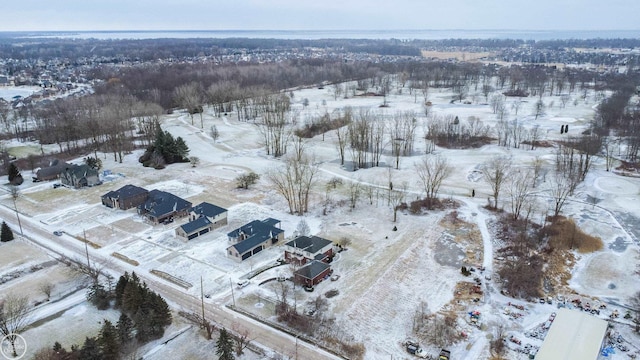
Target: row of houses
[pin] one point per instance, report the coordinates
(313, 254)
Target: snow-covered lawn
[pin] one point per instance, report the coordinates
(385, 274)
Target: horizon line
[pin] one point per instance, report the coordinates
(316, 30)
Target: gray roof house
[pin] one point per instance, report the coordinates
(79, 176)
(127, 197)
(162, 206)
(203, 218)
(51, 172)
(254, 237)
(312, 273)
(305, 249)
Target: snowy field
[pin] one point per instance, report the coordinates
(385, 274)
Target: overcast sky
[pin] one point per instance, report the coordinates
(25, 15)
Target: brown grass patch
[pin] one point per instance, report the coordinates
(557, 271)
(466, 234)
(566, 235)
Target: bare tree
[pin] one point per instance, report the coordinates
(342, 135)
(537, 170)
(607, 147)
(294, 181)
(516, 105)
(343, 242)
(354, 192)
(189, 96)
(538, 109)
(15, 194)
(14, 311)
(635, 305)
(560, 190)
(46, 287)
(432, 171)
(495, 172)
(534, 136)
(215, 134)
(240, 338)
(396, 199)
(303, 228)
(519, 191)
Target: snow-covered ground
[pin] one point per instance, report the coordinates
(385, 274)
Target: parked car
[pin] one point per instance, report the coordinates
(243, 283)
(335, 277)
(308, 288)
(421, 353)
(57, 233)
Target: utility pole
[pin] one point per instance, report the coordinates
(86, 248)
(202, 300)
(15, 192)
(232, 296)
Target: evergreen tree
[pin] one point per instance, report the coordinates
(5, 233)
(120, 286)
(142, 326)
(14, 174)
(160, 144)
(124, 327)
(93, 162)
(182, 150)
(99, 296)
(57, 347)
(224, 346)
(169, 150)
(132, 295)
(90, 350)
(108, 341)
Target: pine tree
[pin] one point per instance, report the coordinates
(132, 295)
(120, 286)
(124, 328)
(182, 150)
(5, 233)
(14, 173)
(108, 341)
(93, 162)
(98, 296)
(90, 350)
(224, 346)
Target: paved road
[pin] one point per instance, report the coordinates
(265, 336)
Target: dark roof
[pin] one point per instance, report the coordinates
(126, 191)
(55, 168)
(312, 269)
(257, 232)
(271, 221)
(81, 171)
(311, 244)
(208, 209)
(197, 224)
(161, 203)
